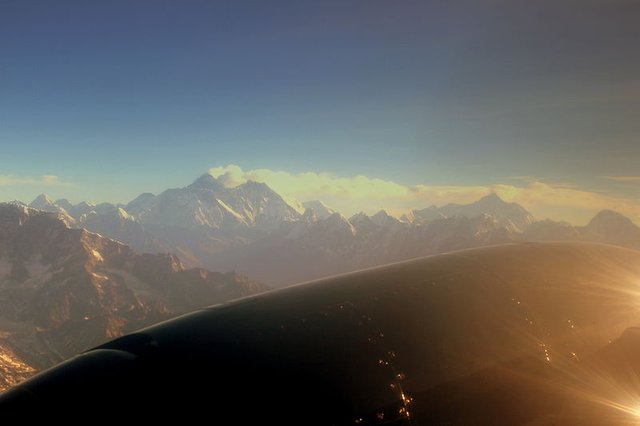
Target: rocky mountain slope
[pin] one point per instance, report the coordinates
(63, 290)
(12, 369)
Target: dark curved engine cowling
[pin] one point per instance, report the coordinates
(518, 334)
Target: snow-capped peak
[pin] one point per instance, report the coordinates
(45, 204)
(321, 210)
(505, 213)
(207, 181)
(65, 204)
(384, 219)
(42, 202)
(337, 221)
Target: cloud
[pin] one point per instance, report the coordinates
(350, 195)
(347, 194)
(630, 179)
(524, 178)
(562, 202)
(47, 180)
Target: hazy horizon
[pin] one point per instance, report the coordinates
(358, 104)
(354, 194)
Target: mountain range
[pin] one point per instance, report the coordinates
(64, 290)
(252, 229)
(71, 275)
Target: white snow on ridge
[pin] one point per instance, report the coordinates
(230, 210)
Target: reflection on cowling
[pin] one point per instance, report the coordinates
(517, 334)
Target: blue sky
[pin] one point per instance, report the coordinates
(121, 97)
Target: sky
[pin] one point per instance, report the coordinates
(366, 103)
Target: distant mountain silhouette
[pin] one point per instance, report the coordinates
(612, 227)
(252, 229)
